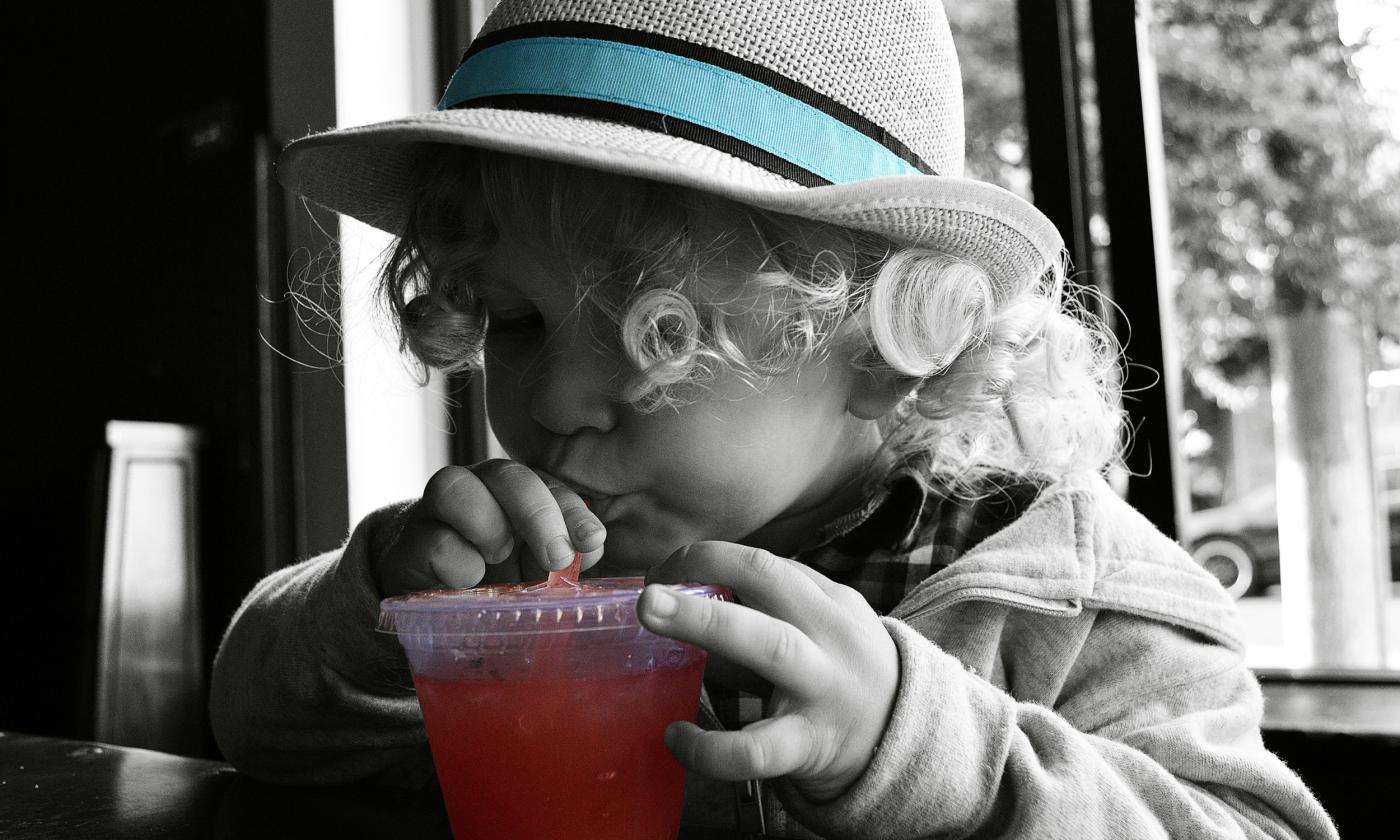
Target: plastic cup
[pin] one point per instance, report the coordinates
(545, 707)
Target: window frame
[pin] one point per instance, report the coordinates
(1137, 216)
(1134, 209)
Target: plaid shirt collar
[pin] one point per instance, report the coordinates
(871, 550)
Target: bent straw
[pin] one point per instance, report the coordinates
(551, 649)
(567, 576)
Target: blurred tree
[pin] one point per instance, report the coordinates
(991, 70)
(1285, 196)
(1284, 192)
(1284, 183)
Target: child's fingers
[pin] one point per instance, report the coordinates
(724, 672)
(768, 583)
(772, 649)
(762, 750)
(845, 597)
(456, 563)
(586, 530)
(457, 497)
(429, 555)
(532, 509)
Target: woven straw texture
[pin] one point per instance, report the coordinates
(360, 179)
(892, 61)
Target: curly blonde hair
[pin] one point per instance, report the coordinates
(1021, 383)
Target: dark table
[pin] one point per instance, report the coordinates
(50, 787)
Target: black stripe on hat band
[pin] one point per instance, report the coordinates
(651, 121)
(708, 55)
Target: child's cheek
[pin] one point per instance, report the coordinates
(632, 547)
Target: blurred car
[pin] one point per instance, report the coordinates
(1238, 542)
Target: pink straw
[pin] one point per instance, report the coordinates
(567, 576)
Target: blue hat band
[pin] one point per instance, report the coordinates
(678, 95)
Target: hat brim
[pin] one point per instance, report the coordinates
(364, 172)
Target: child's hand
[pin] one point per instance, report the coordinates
(517, 520)
(832, 665)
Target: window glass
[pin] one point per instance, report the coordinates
(1281, 135)
(989, 54)
(1094, 269)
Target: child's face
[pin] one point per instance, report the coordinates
(767, 468)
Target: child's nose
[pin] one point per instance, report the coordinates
(573, 390)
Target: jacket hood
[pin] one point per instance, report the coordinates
(1079, 545)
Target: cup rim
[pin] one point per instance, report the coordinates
(509, 610)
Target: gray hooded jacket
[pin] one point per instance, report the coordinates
(1075, 675)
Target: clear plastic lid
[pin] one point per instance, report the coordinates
(523, 609)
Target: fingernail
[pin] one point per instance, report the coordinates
(505, 552)
(561, 554)
(661, 603)
(587, 529)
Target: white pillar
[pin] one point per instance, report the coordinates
(396, 432)
(1329, 557)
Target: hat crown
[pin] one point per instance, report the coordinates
(890, 61)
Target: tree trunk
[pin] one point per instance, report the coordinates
(1330, 558)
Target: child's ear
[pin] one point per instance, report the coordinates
(875, 393)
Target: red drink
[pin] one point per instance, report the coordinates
(546, 705)
(550, 758)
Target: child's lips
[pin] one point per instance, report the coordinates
(588, 494)
(598, 501)
(600, 505)
(606, 506)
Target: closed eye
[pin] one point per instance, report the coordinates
(514, 322)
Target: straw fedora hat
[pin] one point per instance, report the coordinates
(841, 111)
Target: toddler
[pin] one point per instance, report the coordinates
(741, 321)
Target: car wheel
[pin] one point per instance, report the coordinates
(1230, 563)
